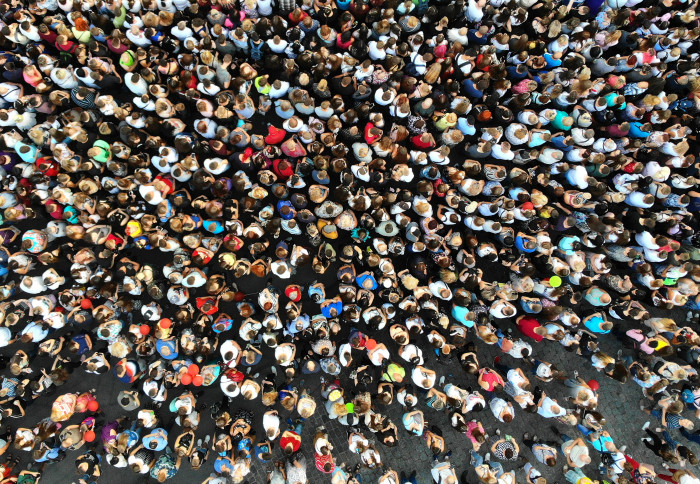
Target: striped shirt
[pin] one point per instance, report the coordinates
(88, 102)
(286, 5)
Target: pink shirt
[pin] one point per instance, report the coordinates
(470, 427)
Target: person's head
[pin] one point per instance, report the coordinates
(162, 475)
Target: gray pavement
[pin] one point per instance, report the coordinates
(619, 403)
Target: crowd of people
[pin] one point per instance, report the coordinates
(239, 201)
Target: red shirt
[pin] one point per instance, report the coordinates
(301, 17)
(527, 326)
(290, 437)
(343, 45)
(419, 143)
(58, 213)
(491, 378)
(284, 171)
(49, 36)
(321, 460)
(370, 138)
(50, 166)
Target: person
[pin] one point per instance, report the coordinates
(545, 453)
(296, 470)
(443, 471)
(575, 450)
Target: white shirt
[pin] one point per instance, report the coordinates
(410, 351)
(518, 346)
(357, 441)
(271, 421)
(379, 355)
(418, 377)
(181, 34)
(498, 405)
(5, 336)
(277, 48)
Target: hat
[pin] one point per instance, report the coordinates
(318, 193)
(328, 230)
(387, 228)
(293, 292)
(346, 220)
(128, 401)
(328, 210)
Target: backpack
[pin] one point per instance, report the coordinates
(256, 50)
(65, 53)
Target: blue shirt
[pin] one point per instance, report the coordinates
(460, 313)
(156, 436)
(366, 277)
(594, 325)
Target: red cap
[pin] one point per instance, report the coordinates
(293, 292)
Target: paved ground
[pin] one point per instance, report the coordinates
(619, 403)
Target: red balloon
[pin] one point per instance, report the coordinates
(165, 323)
(593, 385)
(89, 436)
(239, 296)
(144, 329)
(193, 369)
(197, 380)
(86, 304)
(186, 379)
(93, 406)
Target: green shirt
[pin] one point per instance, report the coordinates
(104, 155)
(262, 90)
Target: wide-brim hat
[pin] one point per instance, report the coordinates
(318, 193)
(321, 176)
(387, 228)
